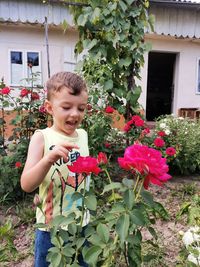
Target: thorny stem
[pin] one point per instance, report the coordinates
(83, 203)
(125, 254)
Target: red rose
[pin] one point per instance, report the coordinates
(161, 133)
(127, 127)
(159, 142)
(148, 162)
(170, 151)
(136, 118)
(34, 96)
(146, 131)
(24, 92)
(139, 123)
(89, 107)
(42, 109)
(5, 91)
(109, 109)
(107, 145)
(85, 165)
(18, 164)
(102, 158)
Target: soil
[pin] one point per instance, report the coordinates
(172, 195)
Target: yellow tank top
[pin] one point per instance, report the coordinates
(59, 184)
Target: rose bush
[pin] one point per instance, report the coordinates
(184, 136)
(119, 212)
(26, 107)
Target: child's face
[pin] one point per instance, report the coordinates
(67, 110)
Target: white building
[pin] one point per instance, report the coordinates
(170, 77)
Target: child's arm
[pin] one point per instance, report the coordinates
(37, 166)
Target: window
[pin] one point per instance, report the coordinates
(69, 59)
(198, 76)
(24, 65)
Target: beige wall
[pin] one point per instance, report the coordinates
(19, 37)
(185, 72)
(61, 46)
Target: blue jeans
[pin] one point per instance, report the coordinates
(42, 244)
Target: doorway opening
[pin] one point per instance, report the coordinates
(160, 88)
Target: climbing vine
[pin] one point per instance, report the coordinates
(112, 33)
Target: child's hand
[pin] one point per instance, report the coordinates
(60, 151)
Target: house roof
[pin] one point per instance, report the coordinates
(23, 11)
(177, 18)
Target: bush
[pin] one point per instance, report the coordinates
(184, 135)
(29, 115)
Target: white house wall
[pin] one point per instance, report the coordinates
(33, 39)
(185, 80)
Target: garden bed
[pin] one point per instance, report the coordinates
(172, 195)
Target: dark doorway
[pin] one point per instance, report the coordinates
(160, 84)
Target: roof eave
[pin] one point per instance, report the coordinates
(169, 3)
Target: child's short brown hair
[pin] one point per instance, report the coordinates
(65, 79)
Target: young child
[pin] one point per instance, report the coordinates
(51, 150)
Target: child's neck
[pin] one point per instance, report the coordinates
(74, 134)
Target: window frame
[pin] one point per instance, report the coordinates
(24, 66)
(198, 76)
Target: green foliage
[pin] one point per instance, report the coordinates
(112, 33)
(192, 210)
(114, 229)
(10, 175)
(184, 135)
(98, 126)
(27, 106)
(6, 241)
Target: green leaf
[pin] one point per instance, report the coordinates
(112, 186)
(158, 207)
(91, 202)
(72, 228)
(129, 198)
(56, 259)
(114, 196)
(129, 2)
(64, 234)
(108, 85)
(82, 19)
(128, 183)
(79, 242)
(122, 5)
(68, 251)
(184, 209)
(122, 227)
(103, 232)
(135, 95)
(95, 15)
(118, 208)
(148, 198)
(61, 220)
(153, 232)
(88, 44)
(92, 255)
(125, 62)
(138, 218)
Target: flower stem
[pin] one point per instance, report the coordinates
(83, 203)
(139, 190)
(110, 181)
(136, 183)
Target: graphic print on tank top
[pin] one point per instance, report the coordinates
(72, 180)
